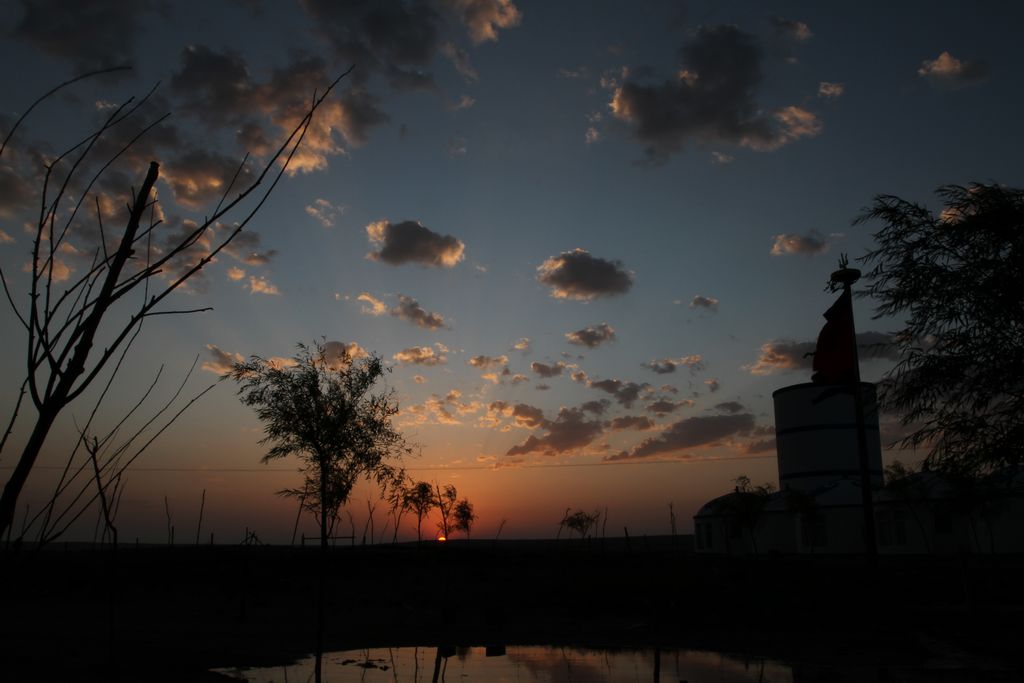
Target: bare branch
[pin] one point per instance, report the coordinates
(52, 92)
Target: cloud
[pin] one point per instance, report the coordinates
(626, 393)
(235, 273)
(795, 123)
(410, 242)
(498, 367)
(712, 99)
(579, 72)
(527, 416)
(596, 407)
(690, 433)
(216, 87)
(721, 158)
(830, 91)
(591, 336)
(400, 40)
(810, 244)
(578, 275)
(523, 344)
(708, 303)
(16, 194)
(324, 212)
(410, 309)
(483, 18)
(221, 362)
(731, 407)
(783, 355)
(522, 415)
(61, 270)
(407, 309)
(247, 247)
(336, 352)
(443, 410)
(177, 232)
(460, 60)
(201, 176)
(464, 102)
(5, 238)
(664, 407)
(419, 379)
(374, 306)
(640, 423)
(546, 371)
(949, 71)
(455, 147)
(877, 345)
(261, 285)
(797, 30)
(758, 446)
(91, 35)
(396, 39)
(570, 431)
(420, 355)
(488, 362)
(591, 135)
(518, 378)
(713, 384)
(668, 365)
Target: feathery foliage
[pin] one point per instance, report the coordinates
(955, 279)
(322, 409)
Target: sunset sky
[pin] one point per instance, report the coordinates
(588, 238)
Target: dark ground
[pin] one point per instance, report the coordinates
(170, 614)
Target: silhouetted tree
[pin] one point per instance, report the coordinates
(64, 323)
(581, 522)
(913, 491)
(464, 516)
(444, 501)
(321, 409)
(746, 505)
(953, 278)
(419, 499)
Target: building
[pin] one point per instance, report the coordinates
(828, 448)
(819, 505)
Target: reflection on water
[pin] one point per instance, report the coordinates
(576, 665)
(526, 663)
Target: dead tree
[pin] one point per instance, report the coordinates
(63, 327)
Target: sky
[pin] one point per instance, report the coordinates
(588, 239)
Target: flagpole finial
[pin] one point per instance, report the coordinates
(845, 276)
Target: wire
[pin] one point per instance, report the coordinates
(524, 466)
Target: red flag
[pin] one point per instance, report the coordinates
(835, 358)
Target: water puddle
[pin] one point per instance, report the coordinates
(545, 664)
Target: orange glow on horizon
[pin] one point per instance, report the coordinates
(441, 538)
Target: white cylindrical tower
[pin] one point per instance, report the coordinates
(816, 433)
